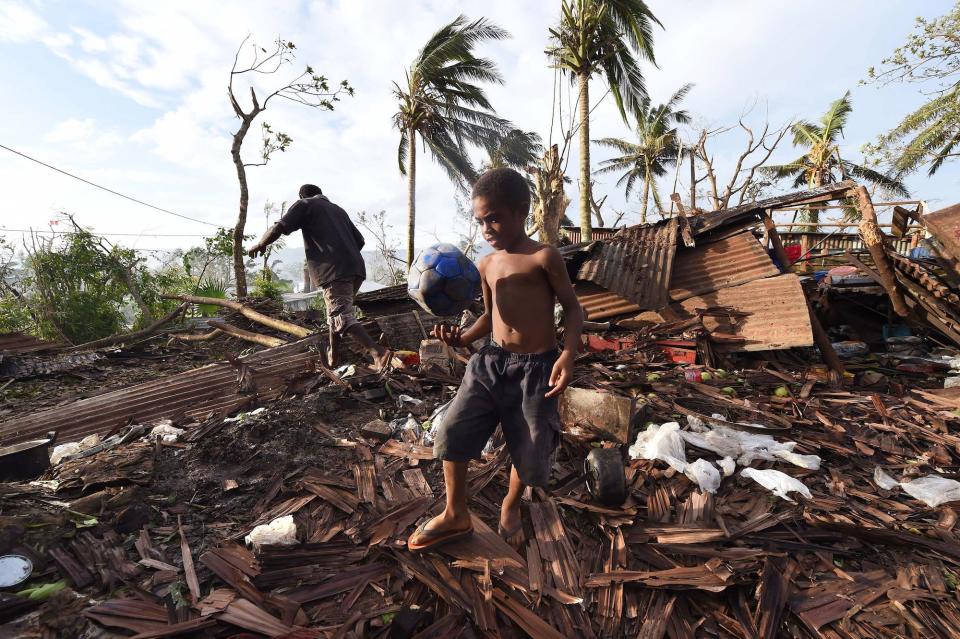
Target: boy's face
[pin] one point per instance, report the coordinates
(500, 227)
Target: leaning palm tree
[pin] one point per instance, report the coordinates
(442, 104)
(656, 148)
(517, 149)
(821, 163)
(607, 37)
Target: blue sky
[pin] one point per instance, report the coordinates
(132, 95)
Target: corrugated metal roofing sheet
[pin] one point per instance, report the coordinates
(636, 263)
(20, 343)
(944, 225)
(751, 211)
(778, 313)
(598, 303)
(599, 233)
(194, 393)
(733, 260)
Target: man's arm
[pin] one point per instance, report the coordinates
(456, 336)
(290, 222)
(556, 270)
(272, 235)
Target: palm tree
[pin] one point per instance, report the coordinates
(607, 37)
(517, 149)
(655, 149)
(821, 163)
(442, 103)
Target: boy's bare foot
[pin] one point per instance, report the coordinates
(511, 526)
(441, 529)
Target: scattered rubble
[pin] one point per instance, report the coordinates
(718, 475)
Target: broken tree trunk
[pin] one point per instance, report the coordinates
(250, 336)
(247, 312)
(822, 340)
(774, 236)
(874, 240)
(125, 337)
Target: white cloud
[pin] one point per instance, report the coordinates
(173, 58)
(19, 24)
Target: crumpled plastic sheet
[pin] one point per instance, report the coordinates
(932, 490)
(436, 419)
(663, 442)
(742, 446)
(728, 466)
(882, 479)
(704, 474)
(62, 451)
(166, 433)
(281, 531)
(780, 484)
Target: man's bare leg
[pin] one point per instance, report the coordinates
(334, 348)
(456, 515)
(511, 522)
(379, 354)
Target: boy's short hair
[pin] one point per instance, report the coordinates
(503, 188)
(309, 190)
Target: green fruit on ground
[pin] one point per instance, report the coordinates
(781, 391)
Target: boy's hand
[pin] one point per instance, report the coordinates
(448, 334)
(561, 375)
(255, 250)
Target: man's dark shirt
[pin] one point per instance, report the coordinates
(331, 242)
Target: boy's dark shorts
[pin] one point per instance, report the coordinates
(505, 388)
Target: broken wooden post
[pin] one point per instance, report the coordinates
(250, 336)
(778, 249)
(247, 312)
(822, 340)
(685, 231)
(874, 240)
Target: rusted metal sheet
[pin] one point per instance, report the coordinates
(573, 232)
(193, 394)
(733, 260)
(599, 303)
(778, 313)
(944, 225)
(20, 343)
(635, 264)
(835, 243)
(750, 212)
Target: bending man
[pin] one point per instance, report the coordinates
(332, 245)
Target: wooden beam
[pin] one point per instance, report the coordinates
(873, 238)
(246, 311)
(774, 236)
(250, 336)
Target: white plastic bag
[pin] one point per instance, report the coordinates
(166, 433)
(279, 532)
(884, 480)
(776, 482)
(63, 450)
(661, 442)
(810, 462)
(728, 466)
(932, 490)
(89, 441)
(704, 474)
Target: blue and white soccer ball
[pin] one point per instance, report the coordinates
(443, 281)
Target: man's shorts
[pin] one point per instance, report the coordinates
(505, 388)
(338, 297)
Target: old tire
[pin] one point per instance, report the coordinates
(606, 478)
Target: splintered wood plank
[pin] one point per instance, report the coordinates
(555, 546)
(188, 570)
(341, 499)
(417, 482)
(403, 449)
(658, 504)
(484, 545)
(528, 620)
(658, 614)
(534, 566)
(366, 478)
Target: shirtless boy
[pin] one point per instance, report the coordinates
(516, 380)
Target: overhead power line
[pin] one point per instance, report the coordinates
(6, 230)
(103, 188)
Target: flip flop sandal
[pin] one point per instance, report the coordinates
(435, 538)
